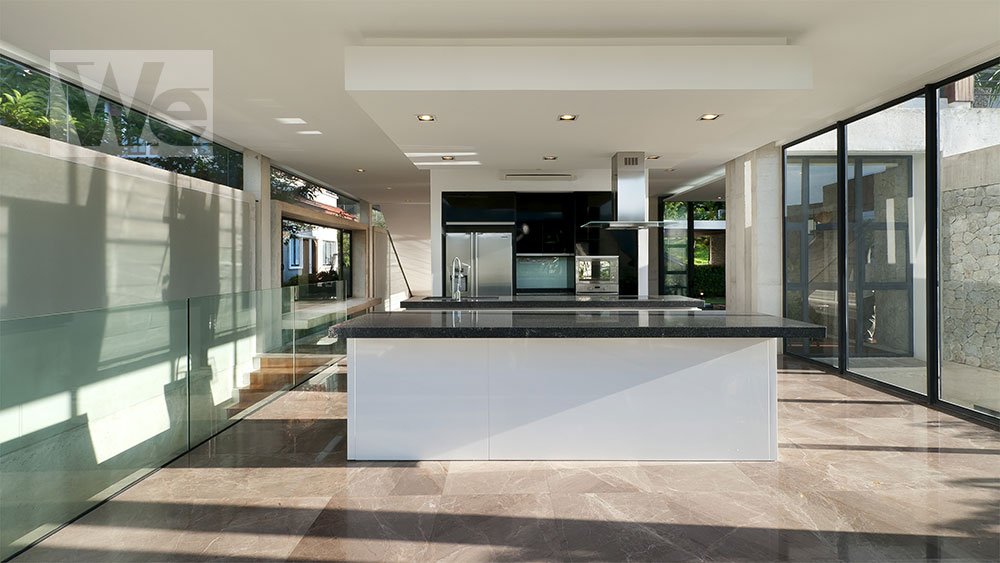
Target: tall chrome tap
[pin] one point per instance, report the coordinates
(459, 279)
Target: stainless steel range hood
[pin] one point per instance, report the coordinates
(628, 183)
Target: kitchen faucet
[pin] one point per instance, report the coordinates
(458, 278)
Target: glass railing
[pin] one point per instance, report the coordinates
(92, 401)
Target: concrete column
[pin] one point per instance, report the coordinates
(361, 253)
(257, 181)
(267, 242)
(753, 232)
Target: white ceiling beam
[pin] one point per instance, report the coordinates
(577, 68)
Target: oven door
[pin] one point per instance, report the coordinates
(602, 269)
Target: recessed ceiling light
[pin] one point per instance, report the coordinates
(388, 187)
(361, 169)
(567, 117)
(290, 120)
(549, 157)
(652, 156)
(720, 197)
(425, 117)
(309, 132)
(449, 157)
(669, 170)
(709, 117)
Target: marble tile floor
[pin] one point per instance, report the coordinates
(862, 476)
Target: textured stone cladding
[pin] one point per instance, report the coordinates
(970, 273)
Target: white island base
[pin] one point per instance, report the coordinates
(562, 399)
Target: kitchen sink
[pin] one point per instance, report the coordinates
(449, 299)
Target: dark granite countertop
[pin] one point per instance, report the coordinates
(553, 302)
(573, 324)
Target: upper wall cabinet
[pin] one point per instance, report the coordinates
(594, 206)
(545, 223)
(477, 207)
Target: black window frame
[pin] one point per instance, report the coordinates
(932, 204)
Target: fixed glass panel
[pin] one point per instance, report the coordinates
(89, 403)
(811, 243)
(886, 274)
(242, 351)
(969, 160)
(675, 248)
(33, 101)
(92, 401)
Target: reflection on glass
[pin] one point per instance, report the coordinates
(811, 243)
(970, 241)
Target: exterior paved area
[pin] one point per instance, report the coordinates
(862, 476)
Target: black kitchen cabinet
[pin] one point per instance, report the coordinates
(477, 207)
(594, 206)
(545, 223)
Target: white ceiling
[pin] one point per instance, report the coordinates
(286, 59)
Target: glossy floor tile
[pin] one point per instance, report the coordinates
(861, 476)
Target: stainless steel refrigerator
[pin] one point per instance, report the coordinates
(491, 260)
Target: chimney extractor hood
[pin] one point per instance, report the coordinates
(628, 184)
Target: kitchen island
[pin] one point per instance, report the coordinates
(567, 385)
(556, 302)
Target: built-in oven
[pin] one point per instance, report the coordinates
(597, 274)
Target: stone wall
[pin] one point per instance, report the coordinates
(970, 258)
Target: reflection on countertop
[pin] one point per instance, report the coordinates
(555, 302)
(573, 324)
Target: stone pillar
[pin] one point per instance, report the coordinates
(753, 232)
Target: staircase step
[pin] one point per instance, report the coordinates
(314, 360)
(262, 379)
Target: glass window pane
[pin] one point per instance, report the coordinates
(886, 277)
(47, 106)
(970, 241)
(811, 242)
(674, 274)
(290, 188)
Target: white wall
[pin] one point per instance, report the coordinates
(410, 227)
(82, 230)
(489, 180)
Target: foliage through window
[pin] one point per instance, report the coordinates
(290, 188)
(35, 102)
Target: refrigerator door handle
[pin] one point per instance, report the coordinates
(474, 266)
